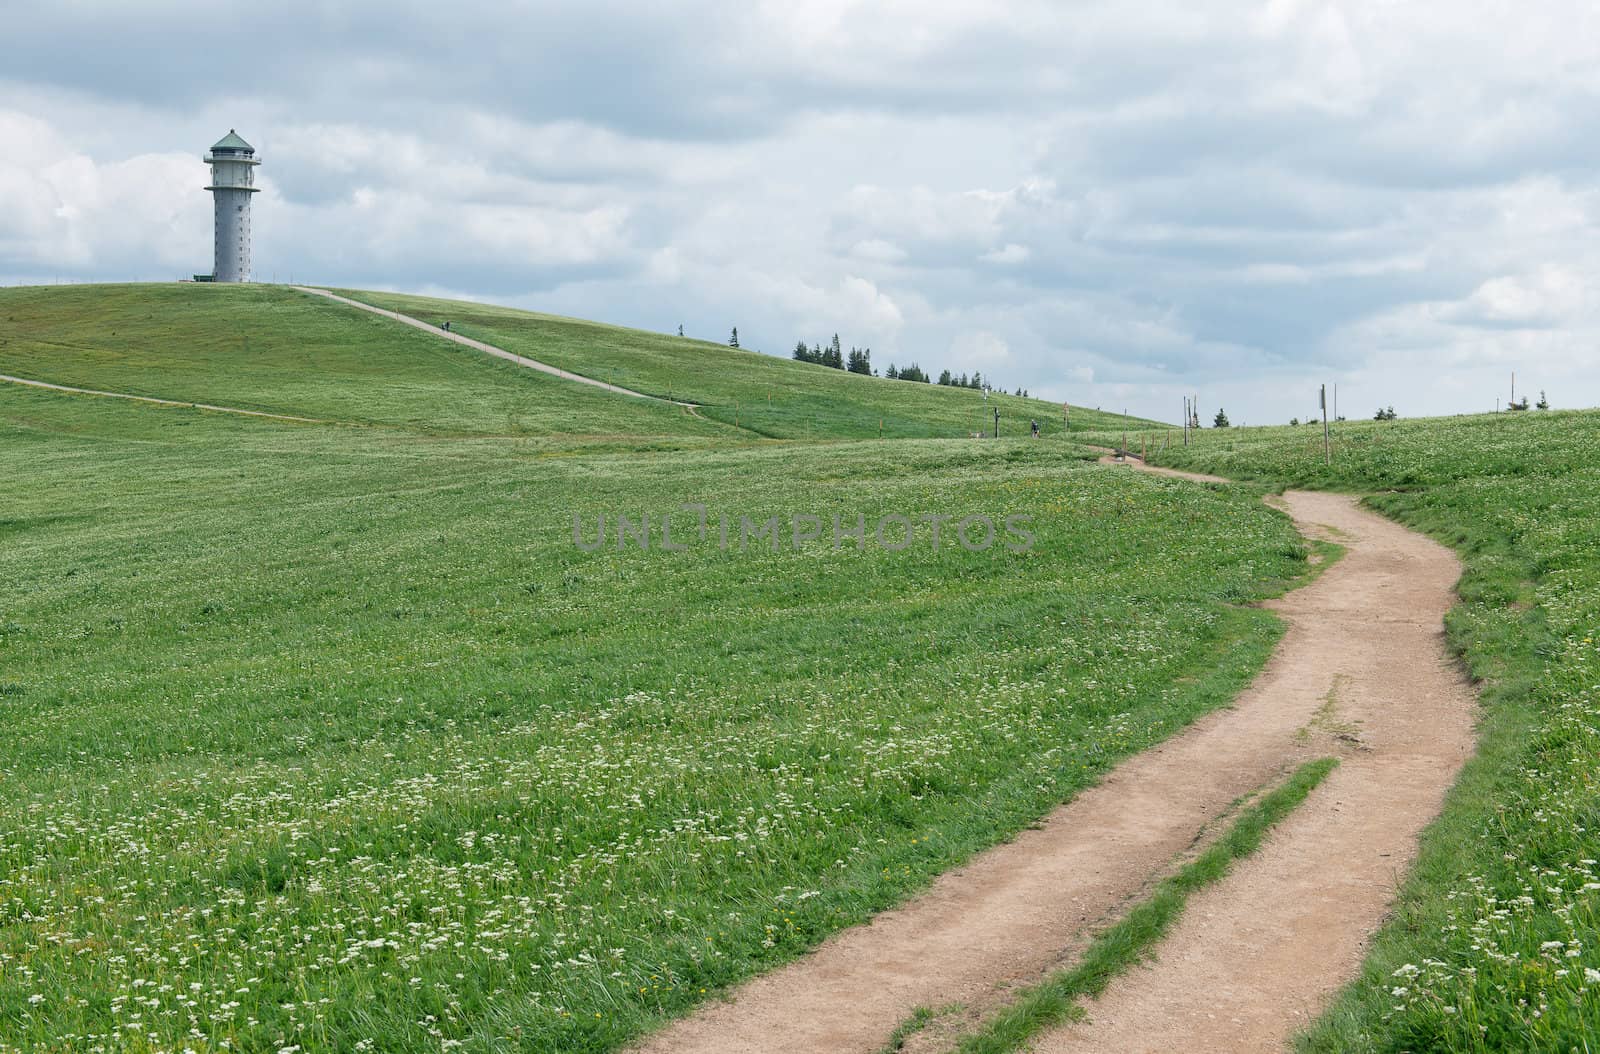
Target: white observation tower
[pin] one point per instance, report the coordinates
(233, 162)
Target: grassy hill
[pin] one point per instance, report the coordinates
(328, 735)
(773, 396)
(271, 348)
(337, 733)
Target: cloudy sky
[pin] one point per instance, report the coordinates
(1116, 203)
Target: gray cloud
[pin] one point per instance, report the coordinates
(1120, 202)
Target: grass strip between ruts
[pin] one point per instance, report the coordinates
(1130, 940)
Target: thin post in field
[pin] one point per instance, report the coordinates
(1327, 450)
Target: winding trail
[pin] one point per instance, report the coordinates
(1256, 957)
(490, 349)
(161, 402)
(1362, 671)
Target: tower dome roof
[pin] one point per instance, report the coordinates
(231, 141)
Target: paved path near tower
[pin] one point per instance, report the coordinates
(1362, 672)
(160, 402)
(490, 349)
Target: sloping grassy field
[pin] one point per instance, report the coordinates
(271, 348)
(772, 396)
(334, 738)
(1496, 942)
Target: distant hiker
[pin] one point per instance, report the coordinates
(1035, 429)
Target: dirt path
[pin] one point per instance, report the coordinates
(161, 402)
(1257, 956)
(490, 349)
(1362, 671)
(1157, 470)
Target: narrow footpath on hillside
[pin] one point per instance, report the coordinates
(160, 402)
(1361, 672)
(490, 349)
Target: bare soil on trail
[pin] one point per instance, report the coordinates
(1362, 671)
(1156, 470)
(1256, 957)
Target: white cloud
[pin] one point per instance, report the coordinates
(1549, 296)
(877, 250)
(63, 211)
(981, 349)
(1237, 197)
(1012, 253)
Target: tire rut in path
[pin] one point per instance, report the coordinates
(1256, 958)
(1362, 669)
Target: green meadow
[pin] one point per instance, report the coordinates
(333, 736)
(260, 347)
(357, 735)
(1495, 943)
